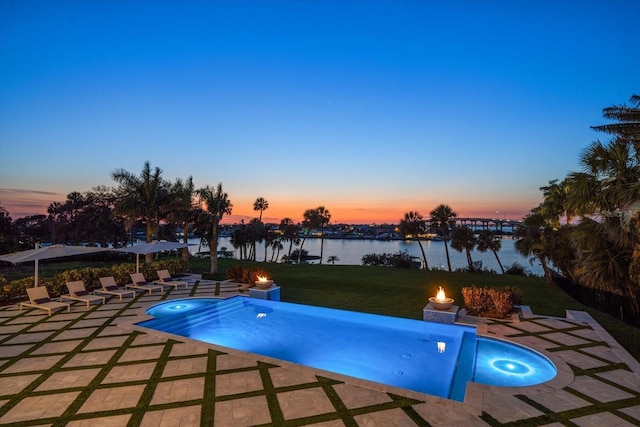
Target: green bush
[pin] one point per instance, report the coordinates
(491, 302)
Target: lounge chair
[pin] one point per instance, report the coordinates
(165, 279)
(139, 282)
(39, 298)
(110, 287)
(78, 292)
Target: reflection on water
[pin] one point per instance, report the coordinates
(350, 252)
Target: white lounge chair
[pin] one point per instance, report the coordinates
(110, 287)
(165, 279)
(78, 292)
(139, 282)
(39, 298)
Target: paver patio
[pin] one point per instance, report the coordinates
(92, 367)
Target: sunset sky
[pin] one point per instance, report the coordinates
(369, 108)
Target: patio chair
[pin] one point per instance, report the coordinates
(165, 279)
(110, 287)
(78, 292)
(139, 282)
(39, 298)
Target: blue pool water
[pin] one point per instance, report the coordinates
(427, 357)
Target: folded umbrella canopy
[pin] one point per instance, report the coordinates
(151, 247)
(46, 252)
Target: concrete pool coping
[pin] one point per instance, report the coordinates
(71, 366)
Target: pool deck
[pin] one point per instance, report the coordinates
(93, 367)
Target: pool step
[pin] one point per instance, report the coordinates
(197, 317)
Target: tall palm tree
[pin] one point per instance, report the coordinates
(290, 232)
(627, 128)
(141, 197)
(533, 239)
(260, 205)
(217, 205)
(324, 218)
(182, 210)
(442, 219)
(413, 225)
(489, 241)
(463, 238)
(311, 220)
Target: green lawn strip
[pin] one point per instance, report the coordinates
(151, 385)
(194, 288)
(277, 418)
(207, 411)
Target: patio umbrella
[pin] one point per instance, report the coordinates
(151, 247)
(46, 252)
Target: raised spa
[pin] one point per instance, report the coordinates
(432, 358)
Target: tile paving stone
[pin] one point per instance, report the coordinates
(34, 363)
(69, 379)
(558, 323)
(141, 353)
(332, 423)
(503, 329)
(536, 342)
(109, 421)
(558, 400)
(556, 424)
(598, 390)
(195, 365)
(587, 333)
(145, 339)
(50, 326)
(437, 415)
(110, 399)
(242, 412)
(110, 331)
(603, 352)
(30, 318)
(178, 391)
(12, 329)
(73, 334)
(137, 372)
(188, 416)
(58, 347)
(101, 314)
(506, 408)
(35, 407)
(16, 383)
(531, 326)
(356, 397)
(391, 417)
(238, 382)
(87, 323)
(622, 377)
(227, 361)
(601, 419)
(632, 411)
(580, 360)
(105, 342)
(13, 350)
(29, 337)
(566, 339)
(303, 403)
(187, 349)
(90, 358)
(283, 377)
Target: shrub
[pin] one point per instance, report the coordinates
(400, 259)
(517, 270)
(491, 302)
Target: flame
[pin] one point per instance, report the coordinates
(440, 296)
(262, 278)
(442, 346)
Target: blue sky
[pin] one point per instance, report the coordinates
(370, 108)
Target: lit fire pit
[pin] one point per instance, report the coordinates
(263, 282)
(440, 301)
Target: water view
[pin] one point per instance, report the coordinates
(351, 251)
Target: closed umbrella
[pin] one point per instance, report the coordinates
(46, 252)
(151, 247)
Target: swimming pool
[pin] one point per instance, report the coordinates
(432, 358)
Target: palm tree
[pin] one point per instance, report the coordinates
(628, 127)
(463, 238)
(260, 205)
(413, 225)
(533, 239)
(290, 232)
(141, 197)
(311, 220)
(490, 241)
(324, 217)
(217, 204)
(182, 210)
(442, 218)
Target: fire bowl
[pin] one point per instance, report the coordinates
(264, 284)
(441, 304)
